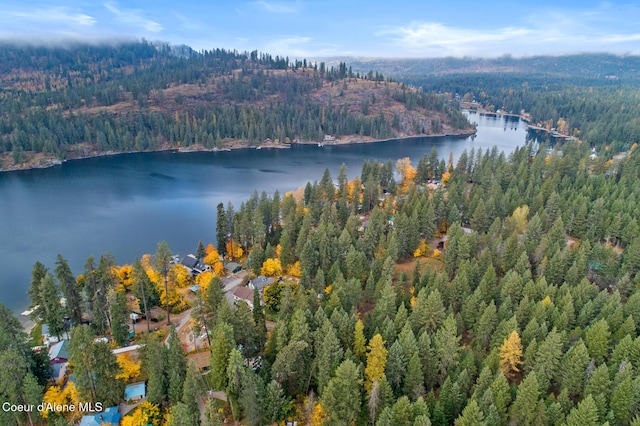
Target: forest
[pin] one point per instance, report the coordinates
(593, 97)
(83, 100)
(491, 290)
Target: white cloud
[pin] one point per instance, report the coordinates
(545, 32)
(301, 47)
(133, 17)
(276, 7)
(47, 15)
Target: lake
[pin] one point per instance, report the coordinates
(125, 204)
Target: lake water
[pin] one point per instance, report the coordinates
(125, 204)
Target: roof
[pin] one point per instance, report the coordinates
(243, 293)
(136, 390)
(59, 352)
(261, 281)
(108, 416)
(232, 266)
(190, 261)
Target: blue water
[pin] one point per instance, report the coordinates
(125, 204)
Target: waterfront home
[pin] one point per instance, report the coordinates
(194, 265)
(58, 357)
(233, 267)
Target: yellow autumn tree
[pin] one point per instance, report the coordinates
(445, 177)
(519, 218)
(511, 355)
(294, 270)
(182, 276)
(407, 171)
(67, 396)
(129, 369)
(211, 255)
(204, 279)
(126, 276)
(271, 268)
(359, 341)
(147, 265)
(146, 414)
(317, 415)
(376, 361)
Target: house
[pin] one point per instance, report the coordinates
(58, 357)
(135, 392)
(110, 416)
(260, 283)
(47, 338)
(245, 294)
(233, 267)
(194, 265)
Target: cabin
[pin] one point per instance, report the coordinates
(110, 416)
(233, 267)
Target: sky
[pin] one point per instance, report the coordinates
(329, 28)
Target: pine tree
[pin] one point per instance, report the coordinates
(523, 410)
(70, 290)
(414, 379)
(176, 367)
(221, 345)
(51, 309)
(328, 356)
(585, 414)
(447, 346)
(341, 399)
(471, 416)
(573, 369)
(597, 340)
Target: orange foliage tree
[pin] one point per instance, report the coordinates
(234, 249)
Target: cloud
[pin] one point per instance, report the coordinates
(545, 32)
(301, 47)
(133, 17)
(47, 15)
(276, 7)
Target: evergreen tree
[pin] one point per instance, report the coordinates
(341, 399)
(585, 414)
(70, 290)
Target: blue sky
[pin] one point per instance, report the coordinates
(309, 28)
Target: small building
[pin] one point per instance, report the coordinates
(58, 357)
(260, 282)
(135, 392)
(194, 265)
(245, 294)
(110, 416)
(194, 288)
(233, 267)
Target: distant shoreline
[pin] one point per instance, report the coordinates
(47, 162)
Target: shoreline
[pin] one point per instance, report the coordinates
(48, 162)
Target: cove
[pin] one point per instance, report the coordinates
(125, 204)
